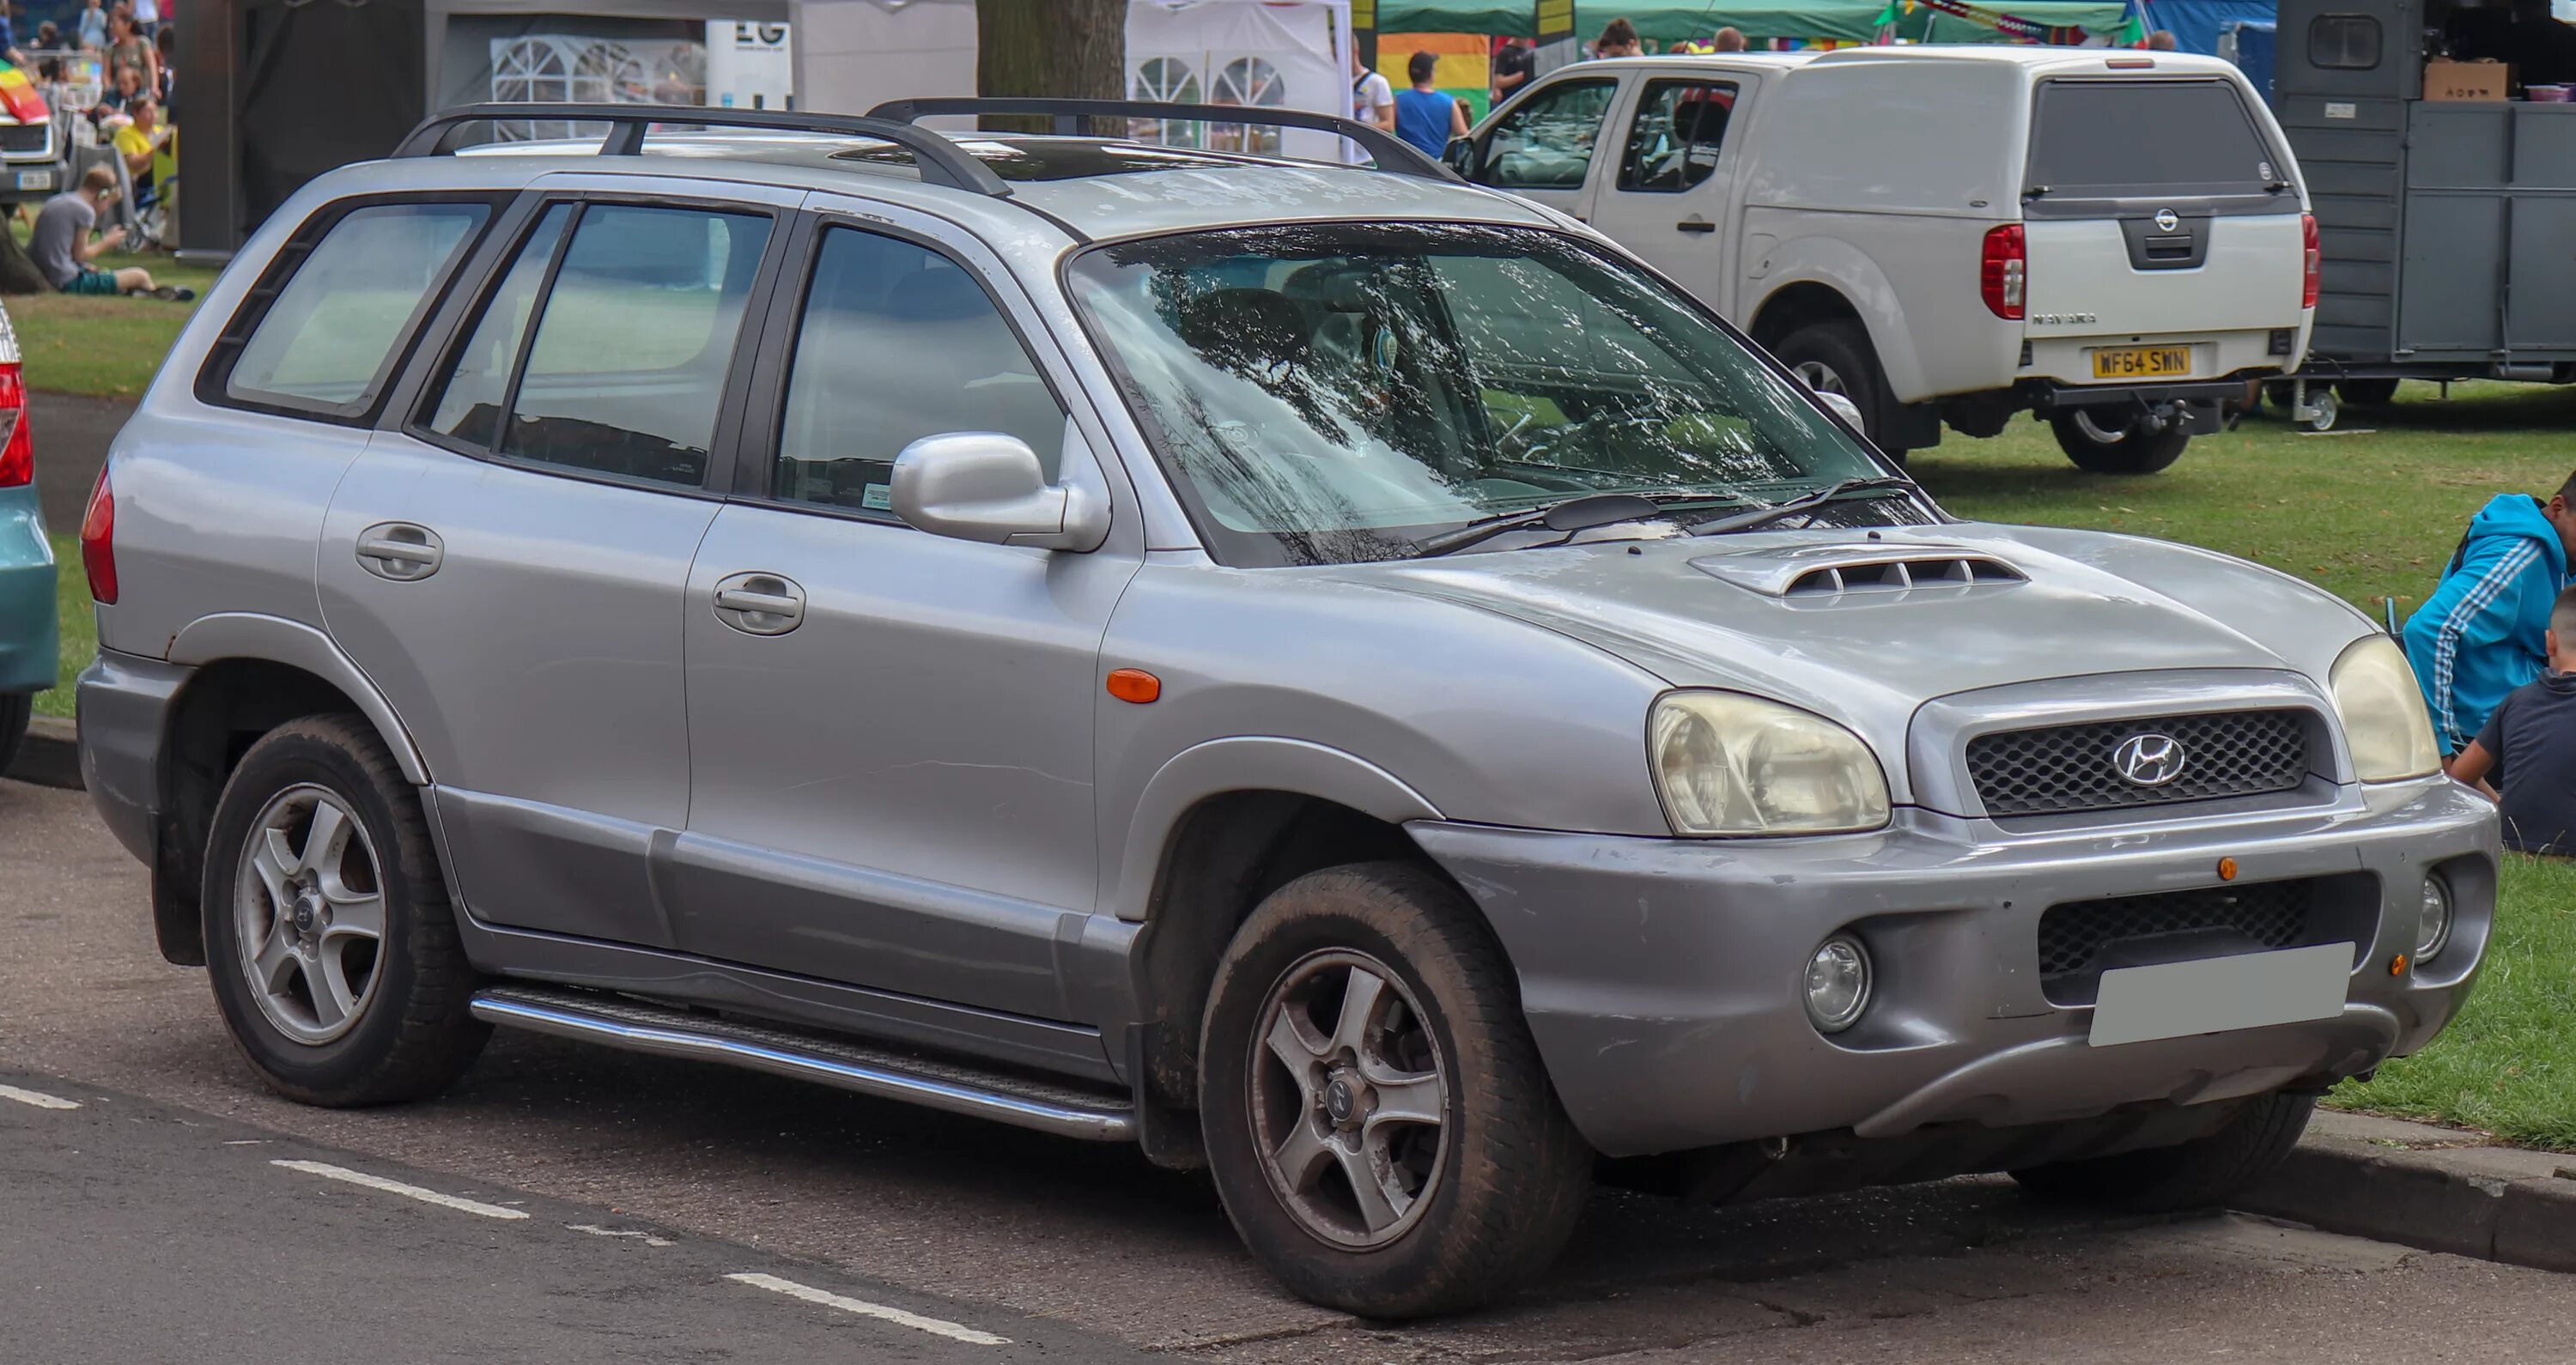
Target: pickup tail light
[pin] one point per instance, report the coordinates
(98, 541)
(17, 445)
(2004, 276)
(2315, 260)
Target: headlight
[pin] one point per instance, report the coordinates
(1730, 764)
(2433, 927)
(2383, 713)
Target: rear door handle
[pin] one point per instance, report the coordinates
(759, 603)
(400, 551)
(1696, 225)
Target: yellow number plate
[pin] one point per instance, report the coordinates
(2142, 362)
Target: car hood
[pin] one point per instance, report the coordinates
(1989, 605)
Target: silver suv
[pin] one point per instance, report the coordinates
(1326, 673)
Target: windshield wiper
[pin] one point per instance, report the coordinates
(1805, 502)
(1569, 515)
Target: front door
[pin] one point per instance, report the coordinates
(508, 566)
(891, 732)
(1672, 200)
(1544, 146)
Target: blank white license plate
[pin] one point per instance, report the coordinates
(35, 180)
(2178, 999)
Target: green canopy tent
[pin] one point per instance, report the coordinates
(1670, 21)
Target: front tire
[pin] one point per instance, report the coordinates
(17, 709)
(2202, 1173)
(1377, 1118)
(2099, 447)
(330, 940)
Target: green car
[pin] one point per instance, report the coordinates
(27, 629)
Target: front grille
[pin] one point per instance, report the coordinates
(2072, 936)
(2068, 768)
(26, 137)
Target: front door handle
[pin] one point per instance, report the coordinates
(759, 603)
(1696, 225)
(400, 551)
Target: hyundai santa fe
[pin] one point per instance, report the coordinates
(1328, 674)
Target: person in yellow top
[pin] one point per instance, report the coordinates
(140, 143)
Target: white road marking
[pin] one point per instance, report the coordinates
(246, 1142)
(377, 1182)
(37, 1098)
(646, 1238)
(865, 1309)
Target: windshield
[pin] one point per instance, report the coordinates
(1325, 393)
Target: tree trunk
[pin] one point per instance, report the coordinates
(1073, 49)
(18, 273)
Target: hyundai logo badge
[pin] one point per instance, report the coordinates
(2148, 760)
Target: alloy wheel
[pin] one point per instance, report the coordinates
(2098, 433)
(309, 910)
(1350, 1100)
(1819, 377)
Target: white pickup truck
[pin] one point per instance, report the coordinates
(2115, 240)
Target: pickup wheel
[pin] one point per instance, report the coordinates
(2197, 1174)
(329, 937)
(1378, 1121)
(16, 708)
(1836, 357)
(2099, 447)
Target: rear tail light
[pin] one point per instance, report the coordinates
(2004, 278)
(2315, 258)
(98, 541)
(17, 445)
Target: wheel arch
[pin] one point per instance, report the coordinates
(1819, 279)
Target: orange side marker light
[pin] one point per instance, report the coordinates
(2227, 869)
(1134, 685)
(2397, 965)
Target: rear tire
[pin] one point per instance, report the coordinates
(1836, 357)
(353, 987)
(16, 710)
(2202, 1173)
(1464, 1209)
(2097, 448)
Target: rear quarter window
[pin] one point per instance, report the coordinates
(321, 334)
(2140, 139)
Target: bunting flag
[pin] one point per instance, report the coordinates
(2009, 25)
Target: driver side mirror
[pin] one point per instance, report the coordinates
(1460, 154)
(985, 486)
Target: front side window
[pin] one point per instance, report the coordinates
(327, 344)
(619, 368)
(899, 342)
(1545, 142)
(1673, 144)
(1331, 393)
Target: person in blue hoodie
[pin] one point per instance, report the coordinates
(2484, 631)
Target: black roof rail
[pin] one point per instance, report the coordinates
(1394, 155)
(941, 160)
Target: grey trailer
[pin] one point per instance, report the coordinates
(2447, 226)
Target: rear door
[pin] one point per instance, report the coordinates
(2157, 210)
(1671, 199)
(1549, 146)
(507, 562)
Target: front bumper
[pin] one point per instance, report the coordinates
(1661, 977)
(29, 648)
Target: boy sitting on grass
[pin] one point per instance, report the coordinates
(63, 246)
(2533, 731)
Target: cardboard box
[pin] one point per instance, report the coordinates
(2449, 80)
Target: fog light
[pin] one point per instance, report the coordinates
(1838, 984)
(2433, 925)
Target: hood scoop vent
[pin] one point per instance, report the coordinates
(1832, 571)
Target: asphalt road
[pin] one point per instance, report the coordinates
(72, 435)
(133, 1230)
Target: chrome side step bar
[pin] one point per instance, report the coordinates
(616, 1021)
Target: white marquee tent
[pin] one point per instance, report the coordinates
(1295, 54)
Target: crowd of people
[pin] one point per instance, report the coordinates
(112, 70)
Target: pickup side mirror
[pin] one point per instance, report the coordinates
(985, 486)
(1841, 405)
(1461, 156)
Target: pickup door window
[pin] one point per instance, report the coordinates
(1676, 182)
(1543, 147)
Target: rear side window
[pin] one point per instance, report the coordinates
(1674, 142)
(2343, 42)
(2133, 139)
(606, 347)
(326, 341)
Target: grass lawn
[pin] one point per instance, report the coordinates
(105, 347)
(79, 627)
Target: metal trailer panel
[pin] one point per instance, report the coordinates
(2348, 130)
(2488, 274)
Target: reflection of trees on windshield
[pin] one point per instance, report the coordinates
(1349, 388)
